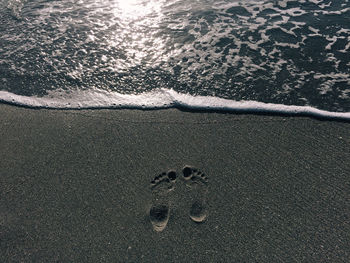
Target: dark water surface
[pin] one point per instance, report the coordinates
(281, 52)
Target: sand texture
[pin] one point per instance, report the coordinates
(78, 186)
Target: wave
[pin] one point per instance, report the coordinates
(158, 99)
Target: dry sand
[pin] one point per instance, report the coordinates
(75, 186)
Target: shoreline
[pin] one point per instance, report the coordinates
(251, 112)
(75, 186)
(161, 99)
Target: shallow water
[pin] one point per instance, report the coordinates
(281, 52)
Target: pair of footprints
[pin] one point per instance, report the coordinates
(164, 183)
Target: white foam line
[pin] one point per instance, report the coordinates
(158, 99)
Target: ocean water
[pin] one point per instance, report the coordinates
(253, 55)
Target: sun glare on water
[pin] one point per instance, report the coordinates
(136, 9)
(139, 24)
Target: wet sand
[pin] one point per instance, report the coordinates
(75, 186)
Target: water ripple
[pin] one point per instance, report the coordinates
(286, 52)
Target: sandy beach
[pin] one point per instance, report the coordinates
(75, 186)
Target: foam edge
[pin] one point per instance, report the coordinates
(159, 99)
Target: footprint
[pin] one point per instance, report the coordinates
(198, 182)
(159, 213)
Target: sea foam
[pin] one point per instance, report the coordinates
(158, 99)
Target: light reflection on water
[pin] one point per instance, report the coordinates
(135, 9)
(139, 21)
(112, 35)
